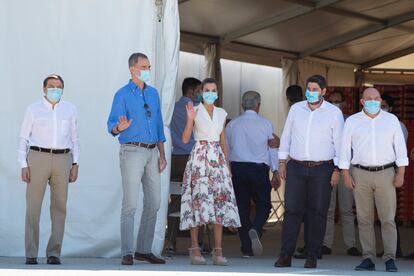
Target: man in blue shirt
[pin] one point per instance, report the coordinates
(191, 93)
(191, 88)
(137, 121)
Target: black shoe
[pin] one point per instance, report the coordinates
(127, 260)
(366, 264)
(151, 258)
(300, 256)
(353, 251)
(390, 266)
(31, 261)
(301, 249)
(310, 262)
(410, 256)
(52, 260)
(284, 262)
(326, 250)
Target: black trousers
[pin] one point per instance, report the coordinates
(251, 182)
(307, 197)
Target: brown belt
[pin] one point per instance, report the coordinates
(313, 163)
(142, 145)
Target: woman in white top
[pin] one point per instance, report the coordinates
(207, 192)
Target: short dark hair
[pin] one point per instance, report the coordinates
(343, 98)
(208, 80)
(190, 83)
(388, 99)
(53, 77)
(133, 59)
(294, 93)
(320, 80)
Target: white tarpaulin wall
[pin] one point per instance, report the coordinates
(88, 43)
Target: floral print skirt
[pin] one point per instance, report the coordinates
(207, 191)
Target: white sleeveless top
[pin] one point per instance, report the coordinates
(206, 128)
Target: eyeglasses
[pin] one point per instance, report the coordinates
(146, 106)
(147, 111)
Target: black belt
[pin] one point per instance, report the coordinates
(375, 169)
(54, 151)
(250, 164)
(312, 163)
(142, 145)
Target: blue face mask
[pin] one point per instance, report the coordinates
(197, 99)
(372, 107)
(210, 97)
(312, 96)
(144, 75)
(54, 94)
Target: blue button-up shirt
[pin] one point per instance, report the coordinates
(129, 101)
(178, 123)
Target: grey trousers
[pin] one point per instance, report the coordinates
(139, 167)
(376, 189)
(53, 169)
(346, 201)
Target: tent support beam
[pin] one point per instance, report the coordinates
(388, 57)
(335, 42)
(274, 20)
(351, 14)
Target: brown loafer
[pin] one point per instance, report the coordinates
(127, 260)
(284, 262)
(31, 261)
(52, 260)
(150, 258)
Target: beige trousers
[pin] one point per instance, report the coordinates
(376, 189)
(52, 169)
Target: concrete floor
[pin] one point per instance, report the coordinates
(336, 264)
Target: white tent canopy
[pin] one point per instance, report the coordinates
(88, 44)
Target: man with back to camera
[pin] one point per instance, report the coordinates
(136, 117)
(48, 154)
(311, 138)
(250, 158)
(373, 143)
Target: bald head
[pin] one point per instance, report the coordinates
(371, 94)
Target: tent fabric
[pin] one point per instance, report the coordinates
(213, 66)
(167, 49)
(89, 46)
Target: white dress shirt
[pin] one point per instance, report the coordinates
(49, 128)
(374, 141)
(247, 138)
(207, 128)
(312, 135)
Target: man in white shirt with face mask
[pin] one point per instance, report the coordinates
(373, 143)
(311, 138)
(48, 154)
